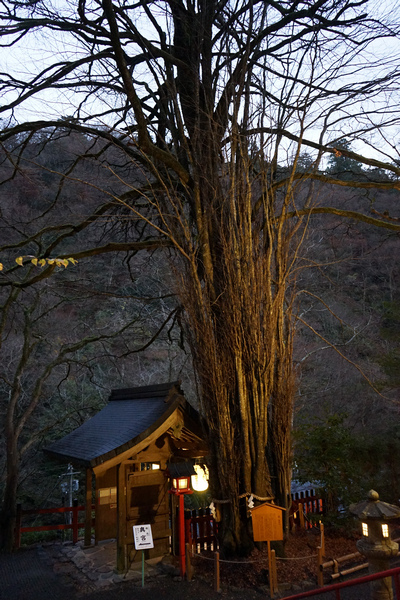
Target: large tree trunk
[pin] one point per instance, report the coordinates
(9, 506)
(237, 299)
(230, 227)
(233, 222)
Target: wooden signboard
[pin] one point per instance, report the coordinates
(267, 523)
(268, 527)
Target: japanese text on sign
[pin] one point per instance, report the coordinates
(143, 537)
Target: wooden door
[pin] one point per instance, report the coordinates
(148, 503)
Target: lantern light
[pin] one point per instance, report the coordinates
(364, 529)
(181, 483)
(200, 479)
(385, 530)
(180, 474)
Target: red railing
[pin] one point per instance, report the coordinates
(74, 525)
(336, 587)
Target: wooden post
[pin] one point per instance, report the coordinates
(270, 573)
(17, 532)
(321, 527)
(121, 516)
(320, 572)
(208, 528)
(97, 523)
(88, 508)
(189, 568)
(301, 515)
(188, 523)
(201, 527)
(173, 524)
(274, 571)
(217, 587)
(75, 521)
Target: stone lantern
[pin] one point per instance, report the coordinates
(375, 543)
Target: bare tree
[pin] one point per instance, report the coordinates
(84, 323)
(208, 100)
(41, 355)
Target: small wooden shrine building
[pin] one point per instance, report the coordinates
(126, 447)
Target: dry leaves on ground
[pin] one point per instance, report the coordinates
(299, 564)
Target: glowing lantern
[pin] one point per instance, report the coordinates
(200, 479)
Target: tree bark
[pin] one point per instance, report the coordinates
(9, 507)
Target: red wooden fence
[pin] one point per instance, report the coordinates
(74, 525)
(201, 529)
(301, 509)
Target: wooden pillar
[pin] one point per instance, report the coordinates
(320, 569)
(96, 505)
(75, 521)
(217, 585)
(301, 515)
(88, 507)
(18, 523)
(270, 572)
(274, 571)
(189, 568)
(121, 519)
(322, 544)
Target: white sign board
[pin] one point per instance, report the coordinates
(143, 537)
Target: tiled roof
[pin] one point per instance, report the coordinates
(129, 414)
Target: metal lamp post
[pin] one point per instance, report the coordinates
(376, 544)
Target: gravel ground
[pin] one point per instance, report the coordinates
(26, 575)
(29, 575)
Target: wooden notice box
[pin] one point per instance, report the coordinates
(267, 523)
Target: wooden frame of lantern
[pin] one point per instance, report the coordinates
(180, 485)
(180, 474)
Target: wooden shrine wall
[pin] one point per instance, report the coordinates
(106, 505)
